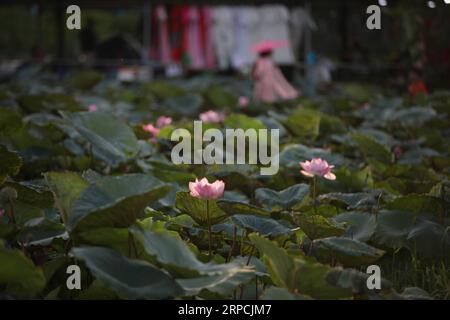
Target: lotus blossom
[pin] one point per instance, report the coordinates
(163, 121)
(317, 167)
(212, 116)
(204, 190)
(398, 151)
(151, 129)
(243, 101)
(365, 106)
(92, 108)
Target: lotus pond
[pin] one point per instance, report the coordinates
(82, 183)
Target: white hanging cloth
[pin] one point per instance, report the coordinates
(245, 29)
(300, 21)
(223, 37)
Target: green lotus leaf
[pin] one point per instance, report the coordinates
(236, 207)
(303, 123)
(129, 278)
(114, 201)
(317, 226)
(349, 252)
(360, 225)
(286, 199)
(112, 140)
(21, 276)
(264, 226)
(10, 163)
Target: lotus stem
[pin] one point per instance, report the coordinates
(314, 194)
(232, 244)
(209, 231)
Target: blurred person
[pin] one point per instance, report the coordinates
(269, 82)
(319, 70)
(416, 84)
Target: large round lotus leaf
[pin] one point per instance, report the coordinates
(85, 79)
(241, 121)
(279, 264)
(360, 226)
(330, 124)
(236, 196)
(264, 226)
(21, 276)
(176, 257)
(112, 140)
(282, 200)
(351, 181)
(349, 252)
(185, 105)
(48, 101)
(421, 203)
(163, 89)
(115, 201)
(236, 207)
(10, 163)
(379, 136)
(219, 97)
(358, 92)
(238, 176)
(41, 231)
(31, 193)
(429, 240)
(303, 123)
(108, 134)
(317, 226)
(273, 124)
(413, 117)
(353, 200)
(371, 149)
(416, 155)
(309, 278)
(10, 121)
(114, 238)
(222, 284)
(392, 228)
(66, 187)
(296, 273)
(7, 229)
(196, 208)
(133, 279)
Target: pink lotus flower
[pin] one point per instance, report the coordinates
(92, 108)
(398, 151)
(317, 167)
(163, 121)
(212, 117)
(365, 106)
(151, 129)
(243, 101)
(204, 190)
